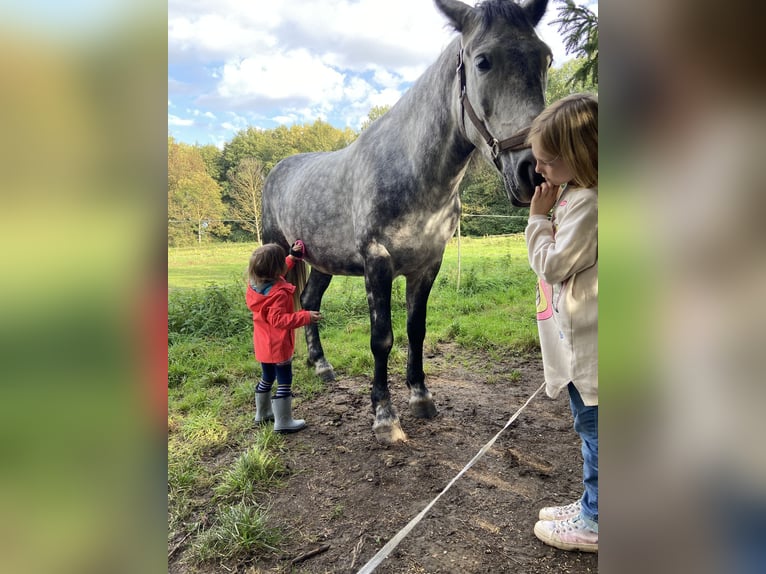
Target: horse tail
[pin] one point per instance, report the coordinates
(298, 276)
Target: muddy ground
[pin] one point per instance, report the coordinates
(347, 495)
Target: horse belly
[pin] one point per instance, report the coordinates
(312, 202)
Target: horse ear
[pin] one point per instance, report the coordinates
(535, 9)
(459, 14)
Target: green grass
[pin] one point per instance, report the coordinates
(258, 468)
(198, 266)
(241, 530)
(486, 301)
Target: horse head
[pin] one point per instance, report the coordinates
(502, 69)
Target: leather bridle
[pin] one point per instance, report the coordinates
(516, 142)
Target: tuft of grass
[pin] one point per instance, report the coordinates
(203, 431)
(258, 468)
(184, 471)
(337, 512)
(238, 531)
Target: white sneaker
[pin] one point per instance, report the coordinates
(570, 534)
(560, 512)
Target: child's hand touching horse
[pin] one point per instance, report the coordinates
(298, 250)
(316, 316)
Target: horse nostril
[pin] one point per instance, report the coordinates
(527, 172)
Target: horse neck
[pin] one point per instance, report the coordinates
(427, 119)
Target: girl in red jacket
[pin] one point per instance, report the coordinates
(270, 298)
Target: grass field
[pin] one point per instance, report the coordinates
(488, 304)
(218, 263)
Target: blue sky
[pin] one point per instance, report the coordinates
(235, 63)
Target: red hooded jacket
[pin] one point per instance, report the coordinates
(274, 320)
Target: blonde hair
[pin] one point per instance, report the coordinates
(568, 128)
(267, 263)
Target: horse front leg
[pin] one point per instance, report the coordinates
(311, 300)
(418, 290)
(378, 277)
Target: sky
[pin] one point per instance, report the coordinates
(233, 64)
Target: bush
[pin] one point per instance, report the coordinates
(481, 226)
(214, 311)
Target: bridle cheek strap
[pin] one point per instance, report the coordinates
(516, 142)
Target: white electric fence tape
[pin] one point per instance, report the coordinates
(394, 542)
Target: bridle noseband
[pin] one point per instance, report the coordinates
(516, 142)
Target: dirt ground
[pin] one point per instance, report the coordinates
(347, 495)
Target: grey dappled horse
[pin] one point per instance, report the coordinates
(387, 204)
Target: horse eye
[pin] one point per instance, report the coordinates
(482, 62)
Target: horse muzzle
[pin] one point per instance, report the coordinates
(520, 177)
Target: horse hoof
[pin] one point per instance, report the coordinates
(386, 427)
(389, 432)
(324, 370)
(327, 375)
(423, 407)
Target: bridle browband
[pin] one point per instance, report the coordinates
(516, 142)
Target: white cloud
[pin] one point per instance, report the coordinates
(287, 120)
(201, 113)
(215, 36)
(289, 61)
(293, 76)
(357, 89)
(385, 78)
(176, 121)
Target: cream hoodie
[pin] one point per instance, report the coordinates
(563, 253)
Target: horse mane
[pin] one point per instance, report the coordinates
(508, 10)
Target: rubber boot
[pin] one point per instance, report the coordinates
(283, 416)
(263, 412)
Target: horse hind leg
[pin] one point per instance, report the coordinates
(311, 299)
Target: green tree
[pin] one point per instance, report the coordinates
(269, 146)
(213, 159)
(320, 136)
(197, 202)
(374, 113)
(560, 84)
(579, 25)
(194, 198)
(246, 193)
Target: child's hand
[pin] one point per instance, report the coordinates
(543, 199)
(316, 316)
(297, 250)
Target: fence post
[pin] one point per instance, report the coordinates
(458, 253)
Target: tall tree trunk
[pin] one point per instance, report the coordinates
(255, 218)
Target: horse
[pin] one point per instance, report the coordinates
(387, 204)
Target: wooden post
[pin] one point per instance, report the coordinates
(458, 254)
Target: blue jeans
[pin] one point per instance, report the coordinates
(586, 425)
